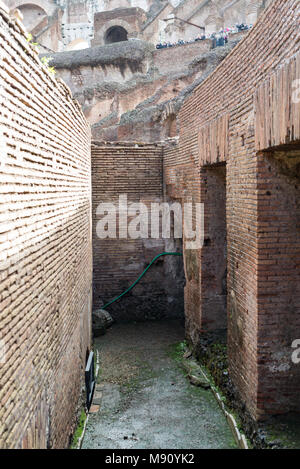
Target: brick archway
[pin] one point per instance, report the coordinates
(115, 34)
(47, 6)
(100, 34)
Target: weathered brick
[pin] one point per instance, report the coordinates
(45, 265)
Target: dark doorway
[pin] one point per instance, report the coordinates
(214, 251)
(116, 34)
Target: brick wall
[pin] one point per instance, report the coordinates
(175, 58)
(130, 19)
(123, 88)
(45, 248)
(278, 291)
(134, 170)
(245, 106)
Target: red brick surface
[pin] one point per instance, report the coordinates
(45, 249)
(134, 170)
(245, 106)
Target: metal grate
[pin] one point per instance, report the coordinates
(90, 380)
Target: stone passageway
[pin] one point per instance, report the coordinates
(145, 399)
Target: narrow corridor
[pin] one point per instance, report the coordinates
(145, 399)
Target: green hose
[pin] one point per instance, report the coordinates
(148, 267)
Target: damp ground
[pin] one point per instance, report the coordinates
(145, 400)
(278, 432)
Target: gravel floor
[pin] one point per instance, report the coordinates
(145, 399)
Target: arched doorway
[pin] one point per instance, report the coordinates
(33, 15)
(115, 34)
(77, 44)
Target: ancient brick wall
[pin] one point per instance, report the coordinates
(130, 19)
(124, 87)
(176, 58)
(278, 278)
(45, 246)
(228, 119)
(134, 170)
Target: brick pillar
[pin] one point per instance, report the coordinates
(278, 280)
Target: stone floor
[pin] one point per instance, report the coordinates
(145, 399)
